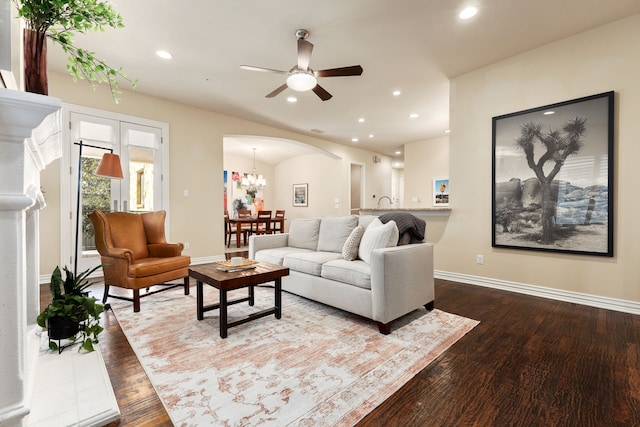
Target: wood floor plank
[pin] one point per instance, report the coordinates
(530, 361)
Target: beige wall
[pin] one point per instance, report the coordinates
(596, 61)
(423, 162)
(196, 164)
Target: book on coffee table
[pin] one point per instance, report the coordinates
(247, 264)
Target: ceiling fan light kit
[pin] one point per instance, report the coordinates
(301, 81)
(301, 78)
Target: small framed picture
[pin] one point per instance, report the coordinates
(301, 195)
(441, 192)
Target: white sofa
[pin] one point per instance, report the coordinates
(383, 283)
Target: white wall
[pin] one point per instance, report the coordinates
(597, 61)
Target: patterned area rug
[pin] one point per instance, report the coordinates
(316, 366)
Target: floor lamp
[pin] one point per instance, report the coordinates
(109, 167)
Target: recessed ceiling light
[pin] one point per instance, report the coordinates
(396, 93)
(361, 120)
(398, 152)
(414, 115)
(468, 12)
(548, 113)
(447, 131)
(292, 99)
(164, 54)
(370, 135)
(354, 139)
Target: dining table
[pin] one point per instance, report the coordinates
(239, 222)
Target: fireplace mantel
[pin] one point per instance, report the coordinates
(30, 139)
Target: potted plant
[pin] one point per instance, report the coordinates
(72, 315)
(59, 20)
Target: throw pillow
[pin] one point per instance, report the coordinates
(376, 236)
(351, 245)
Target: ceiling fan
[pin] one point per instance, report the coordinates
(302, 78)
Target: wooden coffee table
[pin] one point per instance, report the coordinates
(227, 281)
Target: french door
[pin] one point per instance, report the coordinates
(141, 155)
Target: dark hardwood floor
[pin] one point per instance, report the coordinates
(530, 362)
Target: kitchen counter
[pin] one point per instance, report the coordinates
(433, 211)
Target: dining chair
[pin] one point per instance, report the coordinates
(246, 228)
(277, 223)
(230, 229)
(263, 222)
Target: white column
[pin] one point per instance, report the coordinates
(30, 132)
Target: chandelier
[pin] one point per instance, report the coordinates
(253, 181)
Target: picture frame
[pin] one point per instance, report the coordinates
(441, 192)
(301, 195)
(552, 177)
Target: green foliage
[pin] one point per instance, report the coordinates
(96, 194)
(61, 19)
(74, 305)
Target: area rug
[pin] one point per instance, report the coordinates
(316, 366)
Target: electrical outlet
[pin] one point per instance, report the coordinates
(480, 259)
(186, 246)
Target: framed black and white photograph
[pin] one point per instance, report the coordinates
(301, 195)
(553, 177)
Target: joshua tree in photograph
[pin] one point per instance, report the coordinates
(559, 146)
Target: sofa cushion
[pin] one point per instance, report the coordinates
(376, 236)
(365, 220)
(303, 233)
(351, 245)
(357, 273)
(309, 262)
(334, 231)
(276, 255)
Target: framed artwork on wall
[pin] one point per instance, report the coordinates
(301, 195)
(553, 177)
(441, 192)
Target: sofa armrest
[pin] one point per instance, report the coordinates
(267, 241)
(165, 250)
(401, 280)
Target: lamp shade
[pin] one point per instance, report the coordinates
(109, 166)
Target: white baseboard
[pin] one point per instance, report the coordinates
(615, 304)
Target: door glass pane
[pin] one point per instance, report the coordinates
(96, 194)
(141, 179)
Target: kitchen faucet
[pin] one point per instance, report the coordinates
(385, 197)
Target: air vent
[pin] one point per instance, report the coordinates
(317, 130)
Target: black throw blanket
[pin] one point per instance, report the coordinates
(407, 223)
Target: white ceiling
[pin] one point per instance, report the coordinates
(414, 46)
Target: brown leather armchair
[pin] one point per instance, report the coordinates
(136, 255)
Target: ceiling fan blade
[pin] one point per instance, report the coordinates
(354, 70)
(322, 94)
(265, 70)
(277, 91)
(304, 54)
